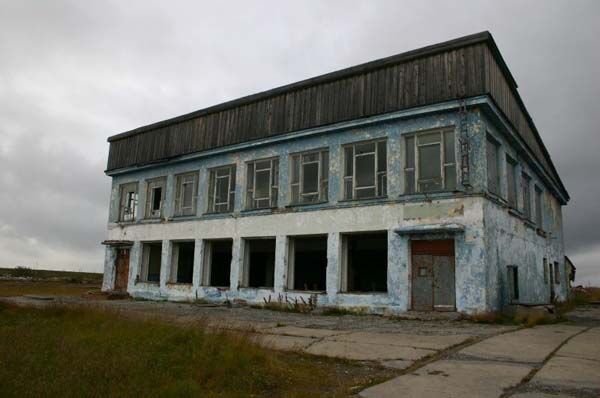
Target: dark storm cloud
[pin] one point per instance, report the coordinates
(72, 73)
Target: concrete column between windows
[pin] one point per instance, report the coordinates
(237, 263)
(165, 265)
(398, 279)
(334, 264)
(135, 261)
(198, 265)
(281, 261)
(169, 209)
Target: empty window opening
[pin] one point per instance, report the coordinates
(525, 182)
(430, 162)
(182, 262)
(128, 202)
(218, 263)
(365, 258)
(493, 165)
(365, 170)
(262, 184)
(538, 208)
(155, 196)
(259, 270)
(309, 177)
(556, 273)
(545, 264)
(151, 260)
(308, 263)
(221, 190)
(186, 194)
(513, 283)
(511, 182)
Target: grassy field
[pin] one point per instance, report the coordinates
(92, 353)
(20, 281)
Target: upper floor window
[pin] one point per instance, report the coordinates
(511, 182)
(309, 177)
(365, 170)
(128, 202)
(221, 189)
(186, 194)
(431, 158)
(262, 182)
(538, 207)
(155, 197)
(525, 182)
(493, 165)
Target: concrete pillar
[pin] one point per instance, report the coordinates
(240, 186)
(334, 264)
(165, 265)
(202, 192)
(110, 254)
(237, 260)
(282, 193)
(141, 205)
(198, 265)
(398, 281)
(281, 262)
(135, 261)
(395, 170)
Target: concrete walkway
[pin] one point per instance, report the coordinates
(562, 359)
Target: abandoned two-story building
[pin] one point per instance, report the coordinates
(414, 182)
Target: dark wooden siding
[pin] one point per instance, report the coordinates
(468, 67)
(439, 77)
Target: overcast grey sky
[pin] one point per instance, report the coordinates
(74, 72)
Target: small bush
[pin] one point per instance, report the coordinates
(285, 304)
(23, 272)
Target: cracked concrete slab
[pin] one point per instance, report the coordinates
(366, 351)
(539, 395)
(429, 342)
(585, 346)
(286, 343)
(452, 379)
(569, 372)
(303, 332)
(531, 345)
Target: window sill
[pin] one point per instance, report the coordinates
(357, 293)
(514, 212)
(360, 200)
(292, 205)
(529, 224)
(220, 288)
(428, 195)
(183, 284)
(321, 292)
(252, 288)
(147, 283)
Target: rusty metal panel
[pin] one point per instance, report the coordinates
(444, 290)
(122, 270)
(422, 282)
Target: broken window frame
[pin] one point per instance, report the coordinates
(291, 264)
(513, 283)
(227, 205)
(207, 269)
(246, 269)
(511, 182)
(266, 202)
(298, 163)
(174, 269)
(538, 210)
(493, 167)
(181, 181)
(128, 202)
(152, 185)
(145, 265)
(350, 180)
(526, 189)
(412, 160)
(344, 285)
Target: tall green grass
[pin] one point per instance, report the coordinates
(90, 353)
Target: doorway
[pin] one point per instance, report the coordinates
(433, 279)
(121, 270)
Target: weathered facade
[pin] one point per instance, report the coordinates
(416, 182)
